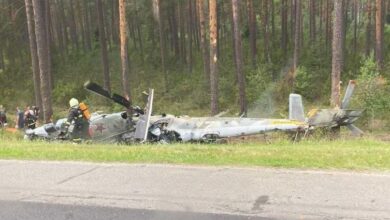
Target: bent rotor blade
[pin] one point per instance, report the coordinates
(355, 130)
(95, 88)
(348, 94)
(121, 100)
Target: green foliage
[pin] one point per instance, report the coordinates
(304, 82)
(63, 91)
(258, 80)
(313, 74)
(373, 92)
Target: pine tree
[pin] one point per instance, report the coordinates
(337, 53)
(213, 56)
(239, 63)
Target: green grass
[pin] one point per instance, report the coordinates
(361, 154)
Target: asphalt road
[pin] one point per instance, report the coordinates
(73, 190)
(16, 210)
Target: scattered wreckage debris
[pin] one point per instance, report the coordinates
(136, 125)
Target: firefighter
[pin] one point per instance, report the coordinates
(30, 119)
(77, 118)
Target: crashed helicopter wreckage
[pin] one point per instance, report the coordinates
(137, 125)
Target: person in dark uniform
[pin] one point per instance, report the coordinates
(30, 119)
(3, 117)
(19, 118)
(79, 122)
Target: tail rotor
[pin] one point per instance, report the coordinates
(335, 118)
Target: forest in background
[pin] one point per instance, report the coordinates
(202, 57)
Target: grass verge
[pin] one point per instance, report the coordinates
(361, 154)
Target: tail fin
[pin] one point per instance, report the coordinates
(142, 126)
(296, 111)
(348, 94)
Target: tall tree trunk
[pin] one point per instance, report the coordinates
(297, 35)
(139, 35)
(43, 59)
(232, 35)
(239, 64)
(106, 24)
(265, 19)
(355, 23)
(321, 10)
(252, 31)
(103, 45)
(47, 20)
(292, 18)
(178, 29)
(312, 19)
(73, 28)
(132, 32)
(81, 25)
(328, 25)
(284, 34)
(379, 34)
(63, 24)
(213, 56)
(224, 13)
(124, 56)
(196, 26)
(87, 25)
(157, 16)
(368, 28)
(203, 44)
(34, 53)
(272, 20)
(114, 21)
(344, 30)
(220, 24)
(189, 33)
(182, 31)
(337, 53)
(301, 24)
(49, 28)
(58, 29)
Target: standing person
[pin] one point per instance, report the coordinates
(78, 120)
(36, 114)
(19, 118)
(29, 118)
(36, 111)
(3, 116)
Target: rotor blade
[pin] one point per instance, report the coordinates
(121, 100)
(348, 94)
(355, 130)
(95, 88)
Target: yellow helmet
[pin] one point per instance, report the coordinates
(73, 103)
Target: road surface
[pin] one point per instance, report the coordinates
(76, 190)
